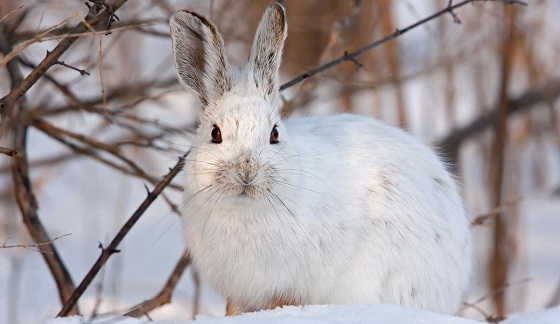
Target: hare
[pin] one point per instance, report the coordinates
(338, 209)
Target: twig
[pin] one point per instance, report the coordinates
(7, 151)
(500, 290)
(166, 293)
(16, 51)
(350, 56)
(452, 13)
(451, 143)
(64, 31)
(8, 101)
(58, 133)
(113, 246)
(98, 293)
(196, 297)
(82, 72)
(10, 13)
(100, 68)
(487, 317)
(32, 245)
(481, 219)
(113, 95)
(22, 185)
(555, 299)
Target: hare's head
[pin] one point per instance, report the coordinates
(240, 141)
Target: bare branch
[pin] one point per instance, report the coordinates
(351, 56)
(7, 151)
(11, 12)
(58, 135)
(555, 299)
(451, 143)
(32, 245)
(113, 246)
(22, 186)
(481, 219)
(82, 72)
(53, 57)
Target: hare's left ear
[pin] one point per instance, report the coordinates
(266, 51)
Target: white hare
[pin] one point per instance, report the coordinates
(320, 210)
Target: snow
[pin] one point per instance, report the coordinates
(335, 314)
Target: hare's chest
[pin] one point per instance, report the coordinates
(238, 255)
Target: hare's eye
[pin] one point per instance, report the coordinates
(274, 135)
(216, 135)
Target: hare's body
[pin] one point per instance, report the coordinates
(356, 225)
(320, 210)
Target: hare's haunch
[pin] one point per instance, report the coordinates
(320, 210)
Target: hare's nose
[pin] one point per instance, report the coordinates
(247, 177)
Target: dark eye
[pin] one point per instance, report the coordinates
(274, 135)
(216, 135)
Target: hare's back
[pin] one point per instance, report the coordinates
(354, 159)
(364, 143)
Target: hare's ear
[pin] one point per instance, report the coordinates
(266, 52)
(198, 49)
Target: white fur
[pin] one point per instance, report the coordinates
(344, 209)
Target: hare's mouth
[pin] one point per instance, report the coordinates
(246, 191)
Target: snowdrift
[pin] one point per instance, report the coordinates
(347, 314)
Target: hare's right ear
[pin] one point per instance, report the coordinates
(198, 49)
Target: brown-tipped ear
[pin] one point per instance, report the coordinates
(266, 51)
(198, 49)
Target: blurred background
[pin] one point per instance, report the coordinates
(481, 85)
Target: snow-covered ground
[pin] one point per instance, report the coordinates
(349, 314)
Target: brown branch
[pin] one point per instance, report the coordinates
(7, 151)
(451, 143)
(492, 318)
(555, 299)
(166, 293)
(487, 317)
(499, 265)
(126, 91)
(11, 12)
(66, 31)
(52, 57)
(196, 297)
(351, 56)
(501, 289)
(113, 246)
(22, 185)
(81, 71)
(32, 245)
(481, 219)
(58, 134)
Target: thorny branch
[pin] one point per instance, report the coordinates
(113, 246)
(351, 56)
(82, 72)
